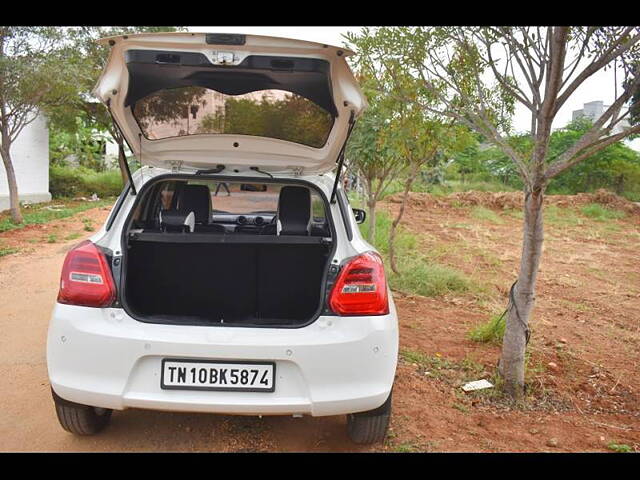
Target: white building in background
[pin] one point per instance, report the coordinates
(30, 155)
(593, 111)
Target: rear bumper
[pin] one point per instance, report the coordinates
(336, 365)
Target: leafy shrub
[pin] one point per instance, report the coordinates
(80, 181)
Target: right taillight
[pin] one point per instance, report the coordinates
(361, 287)
(86, 278)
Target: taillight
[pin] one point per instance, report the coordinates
(86, 278)
(361, 287)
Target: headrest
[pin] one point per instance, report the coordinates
(196, 199)
(176, 221)
(294, 210)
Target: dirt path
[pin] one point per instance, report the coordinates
(430, 412)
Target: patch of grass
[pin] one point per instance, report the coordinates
(8, 251)
(619, 447)
(460, 407)
(632, 196)
(419, 274)
(405, 241)
(491, 331)
(73, 236)
(88, 224)
(442, 368)
(486, 255)
(52, 238)
(485, 214)
(576, 306)
(405, 447)
(439, 250)
(515, 213)
(562, 217)
(426, 361)
(600, 213)
(466, 226)
(428, 279)
(39, 214)
(611, 227)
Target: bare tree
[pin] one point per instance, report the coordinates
(478, 74)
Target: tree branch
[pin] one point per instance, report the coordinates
(609, 54)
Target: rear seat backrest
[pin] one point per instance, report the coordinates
(196, 198)
(294, 210)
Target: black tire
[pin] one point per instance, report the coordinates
(80, 419)
(371, 426)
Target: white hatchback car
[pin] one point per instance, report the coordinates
(230, 276)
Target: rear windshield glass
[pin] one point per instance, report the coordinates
(267, 113)
(238, 207)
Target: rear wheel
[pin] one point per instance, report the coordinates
(371, 426)
(80, 419)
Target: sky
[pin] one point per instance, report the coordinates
(599, 87)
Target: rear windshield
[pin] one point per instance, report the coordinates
(267, 113)
(228, 207)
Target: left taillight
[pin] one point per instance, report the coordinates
(361, 287)
(86, 278)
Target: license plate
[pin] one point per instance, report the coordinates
(217, 375)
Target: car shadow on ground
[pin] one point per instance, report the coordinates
(146, 430)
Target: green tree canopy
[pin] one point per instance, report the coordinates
(292, 118)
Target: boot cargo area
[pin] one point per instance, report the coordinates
(225, 283)
(204, 251)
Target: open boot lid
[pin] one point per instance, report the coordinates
(199, 100)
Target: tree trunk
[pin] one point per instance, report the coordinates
(371, 234)
(14, 199)
(512, 362)
(394, 226)
(619, 184)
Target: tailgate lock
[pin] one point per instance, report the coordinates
(224, 58)
(176, 165)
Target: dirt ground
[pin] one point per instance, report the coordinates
(586, 324)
